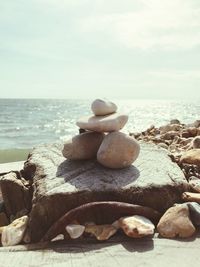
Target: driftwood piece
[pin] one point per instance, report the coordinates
(61, 185)
(99, 213)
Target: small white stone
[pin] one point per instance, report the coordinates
(83, 146)
(75, 230)
(14, 232)
(101, 232)
(101, 107)
(196, 142)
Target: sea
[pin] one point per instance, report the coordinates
(26, 123)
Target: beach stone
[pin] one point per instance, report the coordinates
(194, 212)
(191, 157)
(13, 233)
(170, 127)
(196, 142)
(189, 132)
(169, 135)
(194, 182)
(136, 226)
(108, 123)
(176, 222)
(175, 121)
(101, 107)
(185, 141)
(16, 193)
(192, 131)
(83, 146)
(61, 185)
(196, 123)
(101, 232)
(118, 150)
(75, 230)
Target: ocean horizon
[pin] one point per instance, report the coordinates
(26, 123)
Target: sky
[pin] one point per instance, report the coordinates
(140, 49)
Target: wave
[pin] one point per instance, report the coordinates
(11, 155)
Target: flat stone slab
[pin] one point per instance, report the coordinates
(107, 123)
(60, 185)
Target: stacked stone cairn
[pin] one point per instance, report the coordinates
(101, 138)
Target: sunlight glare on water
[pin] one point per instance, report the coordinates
(26, 123)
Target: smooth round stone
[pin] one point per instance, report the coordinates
(100, 107)
(118, 150)
(176, 222)
(136, 226)
(83, 146)
(108, 123)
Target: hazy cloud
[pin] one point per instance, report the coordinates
(90, 48)
(157, 24)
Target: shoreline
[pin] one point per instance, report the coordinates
(11, 166)
(13, 155)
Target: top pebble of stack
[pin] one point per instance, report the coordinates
(101, 108)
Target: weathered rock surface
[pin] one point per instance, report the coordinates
(176, 222)
(191, 157)
(75, 230)
(108, 123)
(60, 185)
(101, 107)
(17, 194)
(118, 150)
(83, 146)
